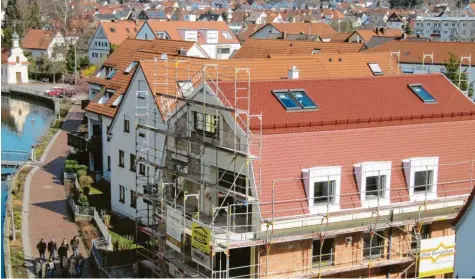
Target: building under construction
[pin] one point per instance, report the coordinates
(296, 178)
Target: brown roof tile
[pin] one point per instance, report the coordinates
(412, 51)
(262, 48)
(38, 39)
(319, 28)
(118, 31)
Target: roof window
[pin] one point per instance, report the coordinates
(316, 50)
(227, 35)
(295, 99)
(117, 101)
(422, 93)
(303, 99)
(375, 69)
(111, 74)
(131, 67)
(112, 29)
(287, 100)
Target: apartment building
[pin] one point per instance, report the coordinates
(445, 29)
(117, 114)
(214, 37)
(105, 94)
(265, 177)
(109, 35)
(417, 57)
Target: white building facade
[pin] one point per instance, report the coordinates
(14, 63)
(445, 28)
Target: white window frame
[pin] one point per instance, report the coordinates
(322, 174)
(413, 165)
(368, 169)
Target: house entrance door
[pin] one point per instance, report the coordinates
(18, 77)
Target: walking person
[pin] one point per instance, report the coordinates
(80, 265)
(52, 248)
(41, 246)
(38, 268)
(64, 266)
(63, 253)
(50, 268)
(72, 267)
(75, 246)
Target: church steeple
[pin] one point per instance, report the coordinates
(15, 40)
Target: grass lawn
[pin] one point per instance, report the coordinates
(122, 242)
(94, 191)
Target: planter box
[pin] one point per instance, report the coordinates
(69, 176)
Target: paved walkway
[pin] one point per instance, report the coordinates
(47, 208)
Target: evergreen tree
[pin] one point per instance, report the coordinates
(70, 59)
(452, 72)
(408, 29)
(11, 12)
(35, 15)
(7, 36)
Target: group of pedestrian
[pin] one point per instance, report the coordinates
(71, 266)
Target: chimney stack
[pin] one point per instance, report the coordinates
(284, 35)
(294, 73)
(381, 30)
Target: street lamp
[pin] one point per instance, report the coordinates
(34, 139)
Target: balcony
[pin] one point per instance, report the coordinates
(80, 141)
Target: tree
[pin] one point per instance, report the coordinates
(71, 64)
(35, 15)
(7, 36)
(408, 29)
(83, 62)
(452, 72)
(11, 12)
(224, 15)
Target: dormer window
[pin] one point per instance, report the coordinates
(374, 181)
(322, 186)
(421, 177)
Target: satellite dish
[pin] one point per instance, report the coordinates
(164, 56)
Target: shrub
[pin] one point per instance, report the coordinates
(81, 173)
(70, 166)
(85, 181)
(81, 168)
(82, 200)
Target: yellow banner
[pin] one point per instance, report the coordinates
(436, 272)
(200, 237)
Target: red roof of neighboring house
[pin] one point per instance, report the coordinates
(319, 28)
(38, 39)
(465, 207)
(118, 31)
(5, 54)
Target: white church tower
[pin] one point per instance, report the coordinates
(14, 63)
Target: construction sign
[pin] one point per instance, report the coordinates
(437, 256)
(200, 244)
(174, 229)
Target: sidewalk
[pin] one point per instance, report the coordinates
(47, 208)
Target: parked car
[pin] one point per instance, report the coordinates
(64, 91)
(46, 80)
(53, 93)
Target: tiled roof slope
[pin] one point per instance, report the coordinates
(341, 65)
(356, 102)
(123, 30)
(285, 155)
(261, 48)
(130, 50)
(412, 51)
(367, 34)
(38, 39)
(173, 29)
(5, 54)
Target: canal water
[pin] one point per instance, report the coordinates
(23, 122)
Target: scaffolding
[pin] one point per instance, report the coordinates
(464, 75)
(195, 170)
(430, 56)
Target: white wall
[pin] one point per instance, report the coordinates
(99, 48)
(464, 244)
(127, 142)
(264, 32)
(10, 70)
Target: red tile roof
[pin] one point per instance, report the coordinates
(285, 155)
(356, 102)
(5, 54)
(412, 51)
(321, 29)
(38, 39)
(262, 48)
(118, 31)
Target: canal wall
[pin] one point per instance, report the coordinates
(31, 94)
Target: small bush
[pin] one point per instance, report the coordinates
(81, 168)
(82, 200)
(70, 166)
(85, 181)
(81, 173)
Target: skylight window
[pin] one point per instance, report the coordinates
(111, 74)
(316, 50)
(287, 100)
(117, 101)
(227, 35)
(375, 69)
(303, 99)
(295, 99)
(131, 67)
(112, 30)
(422, 93)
